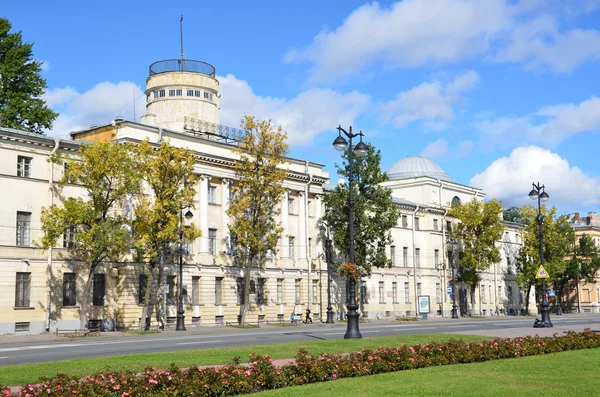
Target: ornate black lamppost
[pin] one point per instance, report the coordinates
(361, 150)
(454, 308)
(328, 260)
(540, 194)
(180, 312)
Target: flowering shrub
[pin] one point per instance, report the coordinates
(261, 374)
(349, 271)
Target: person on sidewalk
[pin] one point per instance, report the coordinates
(308, 316)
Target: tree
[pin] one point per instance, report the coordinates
(557, 237)
(168, 173)
(21, 86)
(512, 214)
(583, 264)
(96, 221)
(374, 211)
(254, 209)
(478, 230)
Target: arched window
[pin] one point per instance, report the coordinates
(456, 201)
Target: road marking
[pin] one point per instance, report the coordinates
(335, 333)
(404, 329)
(366, 332)
(200, 342)
(3, 358)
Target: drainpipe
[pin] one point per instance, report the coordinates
(306, 238)
(160, 135)
(444, 253)
(415, 263)
(49, 260)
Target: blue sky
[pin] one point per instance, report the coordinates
(499, 93)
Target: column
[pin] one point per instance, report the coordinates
(283, 253)
(203, 212)
(315, 231)
(225, 186)
(302, 240)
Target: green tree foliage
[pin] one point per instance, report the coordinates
(478, 230)
(512, 214)
(107, 175)
(21, 86)
(168, 173)
(257, 193)
(375, 213)
(583, 264)
(558, 235)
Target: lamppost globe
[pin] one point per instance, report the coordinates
(340, 144)
(361, 150)
(188, 215)
(533, 194)
(544, 196)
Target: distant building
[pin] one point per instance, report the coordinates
(587, 295)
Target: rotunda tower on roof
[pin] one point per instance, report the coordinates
(417, 166)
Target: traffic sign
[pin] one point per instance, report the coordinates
(552, 293)
(449, 290)
(542, 273)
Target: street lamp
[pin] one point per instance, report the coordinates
(361, 150)
(454, 308)
(180, 312)
(538, 192)
(328, 260)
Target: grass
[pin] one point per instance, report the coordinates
(560, 374)
(29, 373)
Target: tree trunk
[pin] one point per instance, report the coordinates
(246, 301)
(527, 298)
(577, 292)
(83, 302)
(151, 297)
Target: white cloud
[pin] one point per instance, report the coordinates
(45, 66)
(509, 179)
(99, 105)
(303, 117)
(413, 33)
(435, 149)
(430, 101)
(550, 124)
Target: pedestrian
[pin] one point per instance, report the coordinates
(308, 316)
(292, 318)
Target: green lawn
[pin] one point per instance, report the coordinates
(30, 373)
(570, 373)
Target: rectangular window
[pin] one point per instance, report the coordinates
(66, 174)
(190, 92)
(291, 206)
(405, 256)
(500, 297)
(239, 289)
(279, 291)
(436, 258)
(24, 166)
(218, 290)
(212, 241)
(99, 290)
(170, 290)
(309, 208)
(483, 300)
(178, 92)
(381, 292)
(297, 290)
(197, 93)
(205, 95)
(393, 254)
(212, 194)
(435, 225)
(195, 290)
(394, 292)
(490, 291)
(310, 247)
(438, 293)
(69, 237)
(23, 229)
(418, 289)
(406, 293)
(450, 258)
(291, 247)
(517, 238)
(22, 289)
(142, 285)
(69, 289)
(417, 227)
(448, 226)
(233, 244)
(509, 292)
(231, 197)
(315, 291)
(363, 292)
(260, 292)
(210, 96)
(159, 94)
(187, 247)
(404, 221)
(171, 92)
(418, 257)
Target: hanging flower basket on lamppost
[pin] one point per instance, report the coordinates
(349, 271)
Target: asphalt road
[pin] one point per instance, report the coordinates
(49, 348)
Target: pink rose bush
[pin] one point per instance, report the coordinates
(261, 374)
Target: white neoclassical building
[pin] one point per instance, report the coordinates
(39, 290)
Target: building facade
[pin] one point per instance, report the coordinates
(41, 289)
(586, 295)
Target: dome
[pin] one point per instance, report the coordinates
(416, 166)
